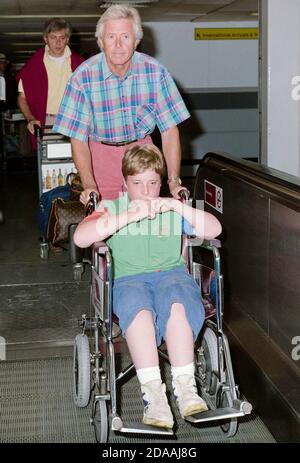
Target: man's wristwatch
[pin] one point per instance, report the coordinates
(174, 179)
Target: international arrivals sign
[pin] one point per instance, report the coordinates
(226, 33)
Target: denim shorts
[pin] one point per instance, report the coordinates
(157, 291)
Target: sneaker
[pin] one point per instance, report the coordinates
(157, 411)
(187, 398)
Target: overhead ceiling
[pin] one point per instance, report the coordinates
(21, 21)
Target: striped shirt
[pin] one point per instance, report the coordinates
(101, 106)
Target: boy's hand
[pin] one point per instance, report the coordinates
(141, 209)
(165, 204)
(85, 195)
(175, 189)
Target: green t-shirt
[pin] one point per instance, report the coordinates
(147, 245)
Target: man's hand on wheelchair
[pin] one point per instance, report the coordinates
(85, 195)
(164, 204)
(169, 204)
(175, 188)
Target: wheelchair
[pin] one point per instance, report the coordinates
(94, 371)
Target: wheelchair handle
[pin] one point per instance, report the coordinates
(184, 194)
(92, 203)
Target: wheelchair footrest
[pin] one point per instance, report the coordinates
(240, 408)
(141, 428)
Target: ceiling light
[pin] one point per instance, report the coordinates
(177, 13)
(37, 16)
(21, 44)
(40, 33)
(134, 3)
(140, 5)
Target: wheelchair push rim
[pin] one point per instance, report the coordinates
(207, 361)
(225, 399)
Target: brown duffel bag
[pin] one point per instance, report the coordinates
(62, 215)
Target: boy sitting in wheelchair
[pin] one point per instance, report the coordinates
(154, 296)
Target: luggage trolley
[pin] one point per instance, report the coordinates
(94, 373)
(54, 158)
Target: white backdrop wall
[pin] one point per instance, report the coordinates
(205, 67)
(203, 64)
(280, 89)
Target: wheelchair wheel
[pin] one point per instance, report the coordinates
(224, 399)
(207, 361)
(81, 371)
(100, 421)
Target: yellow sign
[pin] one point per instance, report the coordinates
(226, 33)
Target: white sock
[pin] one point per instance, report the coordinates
(184, 370)
(148, 374)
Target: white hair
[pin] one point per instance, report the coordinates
(121, 12)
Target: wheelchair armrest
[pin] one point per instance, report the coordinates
(100, 246)
(204, 243)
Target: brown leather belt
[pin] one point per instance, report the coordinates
(119, 143)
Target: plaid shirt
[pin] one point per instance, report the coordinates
(101, 106)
